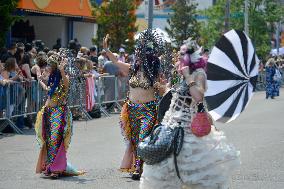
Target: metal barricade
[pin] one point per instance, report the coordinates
(261, 83)
(107, 93)
(123, 88)
(3, 102)
(20, 99)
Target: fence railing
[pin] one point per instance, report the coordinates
(26, 98)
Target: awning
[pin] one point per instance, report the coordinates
(68, 8)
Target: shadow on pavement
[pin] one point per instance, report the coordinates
(77, 179)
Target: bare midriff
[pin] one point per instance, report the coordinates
(51, 104)
(140, 95)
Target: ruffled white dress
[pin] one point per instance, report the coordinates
(204, 163)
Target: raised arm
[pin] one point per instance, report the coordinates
(124, 67)
(196, 84)
(64, 76)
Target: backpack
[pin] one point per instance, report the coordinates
(95, 112)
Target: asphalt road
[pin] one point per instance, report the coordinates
(97, 147)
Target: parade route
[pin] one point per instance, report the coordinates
(97, 147)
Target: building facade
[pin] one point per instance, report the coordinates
(162, 11)
(49, 20)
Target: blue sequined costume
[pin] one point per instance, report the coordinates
(271, 85)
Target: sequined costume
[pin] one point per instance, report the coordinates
(142, 117)
(137, 121)
(271, 85)
(53, 133)
(204, 163)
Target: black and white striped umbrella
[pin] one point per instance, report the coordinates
(232, 75)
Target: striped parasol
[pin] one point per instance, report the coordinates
(232, 75)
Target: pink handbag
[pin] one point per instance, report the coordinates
(201, 124)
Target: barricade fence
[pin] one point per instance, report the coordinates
(261, 80)
(20, 99)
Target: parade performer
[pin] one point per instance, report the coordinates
(54, 123)
(271, 83)
(139, 112)
(203, 162)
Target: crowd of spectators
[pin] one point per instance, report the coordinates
(27, 63)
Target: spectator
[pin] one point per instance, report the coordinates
(39, 67)
(46, 50)
(57, 46)
(85, 51)
(39, 45)
(31, 52)
(94, 56)
(271, 85)
(78, 46)
(10, 53)
(24, 65)
(19, 54)
(20, 45)
(10, 73)
(10, 67)
(109, 84)
(73, 47)
(121, 55)
(3, 82)
(102, 59)
(28, 47)
(50, 53)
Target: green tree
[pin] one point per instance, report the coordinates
(117, 18)
(7, 7)
(262, 15)
(183, 23)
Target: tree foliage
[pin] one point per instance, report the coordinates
(183, 23)
(262, 15)
(117, 18)
(7, 7)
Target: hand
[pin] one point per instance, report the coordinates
(105, 41)
(163, 79)
(186, 74)
(62, 65)
(41, 77)
(6, 81)
(20, 78)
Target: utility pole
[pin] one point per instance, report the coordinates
(150, 14)
(149, 7)
(278, 24)
(227, 15)
(246, 17)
